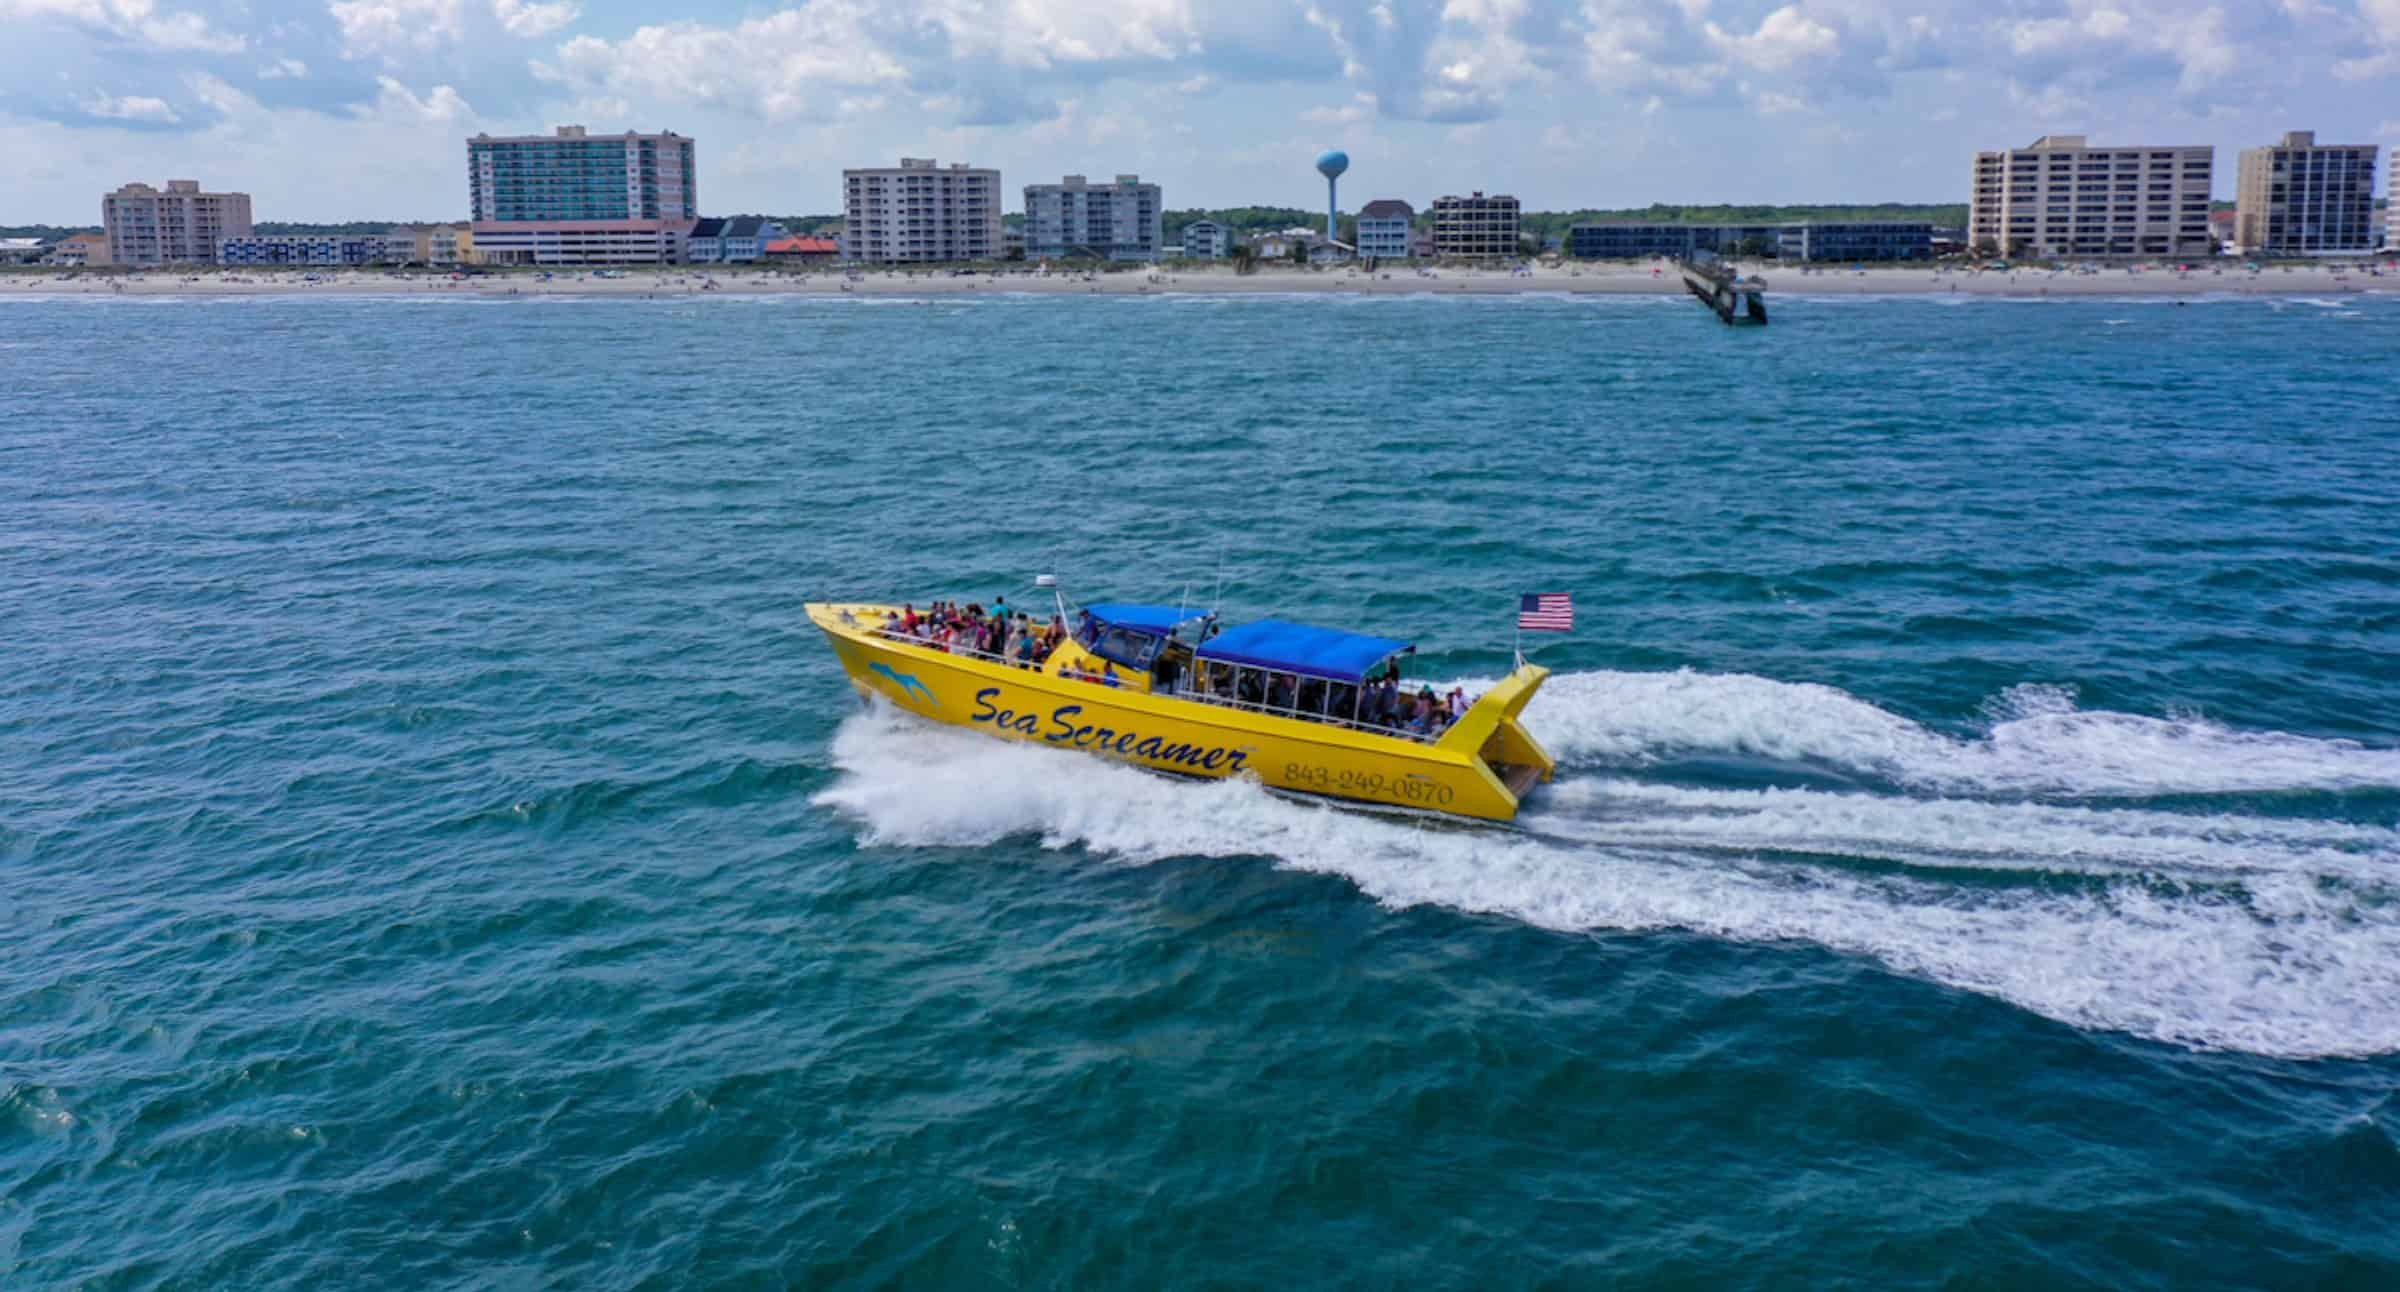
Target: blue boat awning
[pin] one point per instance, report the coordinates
(1150, 619)
(1286, 647)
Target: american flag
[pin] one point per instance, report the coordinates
(1546, 612)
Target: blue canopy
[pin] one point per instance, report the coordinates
(1158, 620)
(1328, 653)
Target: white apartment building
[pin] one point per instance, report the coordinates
(1074, 217)
(2063, 197)
(1384, 227)
(1207, 240)
(918, 212)
(2303, 198)
(181, 226)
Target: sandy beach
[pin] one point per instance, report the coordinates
(1595, 279)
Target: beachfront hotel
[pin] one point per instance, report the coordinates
(1384, 226)
(1820, 241)
(181, 226)
(1120, 221)
(2303, 198)
(918, 212)
(313, 249)
(572, 197)
(1475, 227)
(2063, 197)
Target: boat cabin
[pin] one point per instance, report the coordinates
(1299, 670)
(1270, 665)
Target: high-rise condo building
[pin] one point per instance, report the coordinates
(2303, 198)
(1120, 221)
(575, 197)
(1475, 227)
(2063, 197)
(920, 212)
(181, 226)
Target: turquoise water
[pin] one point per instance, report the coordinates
(438, 854)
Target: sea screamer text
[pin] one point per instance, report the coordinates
(1066, 730)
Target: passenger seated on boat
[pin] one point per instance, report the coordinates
(1341, 700)
(1279, 694)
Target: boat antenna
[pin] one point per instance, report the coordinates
(1050, 581)
(1183, 599)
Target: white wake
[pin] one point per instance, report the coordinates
(2043, 744)
(2266, 935)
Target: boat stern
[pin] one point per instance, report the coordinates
(1494, 737)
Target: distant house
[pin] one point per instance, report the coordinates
(736, 239)
(1207, 240)
(80, 249)
(440, 245)
(1384, 227)
(2221, 226)
(21, 251)
(803, 250)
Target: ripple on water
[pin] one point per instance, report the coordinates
(441, 854)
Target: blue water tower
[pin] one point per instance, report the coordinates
(1330, 164)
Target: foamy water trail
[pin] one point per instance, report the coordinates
(2042, 744)
(2268, 936)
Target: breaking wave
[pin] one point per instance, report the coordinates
(2270, 936)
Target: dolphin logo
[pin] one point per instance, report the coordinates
(908, 685)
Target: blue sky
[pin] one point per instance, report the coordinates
(357, 108)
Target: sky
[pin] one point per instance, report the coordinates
(358, 109)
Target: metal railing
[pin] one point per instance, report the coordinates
(1177, 692)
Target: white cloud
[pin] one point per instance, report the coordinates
(531, 18)
(396, 26)
(766, 67)
(441, 103)
(140, 21)
(1784, 37)
(1359, 108)
(284, 69)
(1774, 103)
(129, 107)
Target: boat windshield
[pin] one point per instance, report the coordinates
(1132, 635)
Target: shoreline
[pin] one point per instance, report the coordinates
(1596, 280)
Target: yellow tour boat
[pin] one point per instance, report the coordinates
(1296, 707)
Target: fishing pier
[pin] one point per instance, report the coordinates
(1721, 287)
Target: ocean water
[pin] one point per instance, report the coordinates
(435, 852)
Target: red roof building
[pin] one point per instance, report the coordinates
(802, 248)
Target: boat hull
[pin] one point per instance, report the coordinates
(1479, 768)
